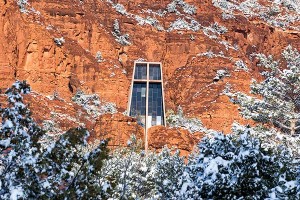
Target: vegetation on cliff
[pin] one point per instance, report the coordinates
(250, 163)
(277, 100)
(67, 46)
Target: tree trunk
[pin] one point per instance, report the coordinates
(293, 126)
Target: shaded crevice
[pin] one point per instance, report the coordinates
(244, 32)
(70, 88)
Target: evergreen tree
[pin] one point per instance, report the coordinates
(64, 169)
(168, 171)
(278, 95)
(235, 166)
(133, 175)
(19, 147)
(129, 172)
(71, 168)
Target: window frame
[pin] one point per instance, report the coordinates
(147, 81)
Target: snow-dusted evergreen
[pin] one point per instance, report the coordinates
(19, 149)
(278, 101)
(298, 183)
(179, 120)
(93, 104)
(59, 41)
(130, 172)
(235, 166)
(122, 39)
(134, 175)
(22, 5)
(99, 57)
(221, 73)
(278, 13)
(240, 65)
(182, 24)
(168, 171)
(70, 167)
(32, 166)
(187, 8)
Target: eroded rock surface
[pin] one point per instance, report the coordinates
(194, 40)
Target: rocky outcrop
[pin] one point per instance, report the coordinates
(160, 136)
(117, 129)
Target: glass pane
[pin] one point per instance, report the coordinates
(138, 102)
(155, 104)
(154, 72)
(140, 71)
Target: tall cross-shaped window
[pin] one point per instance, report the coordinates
(146, 101)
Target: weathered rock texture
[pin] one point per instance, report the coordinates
(160, 136)
(191, 56)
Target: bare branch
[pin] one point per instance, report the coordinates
(282, 125)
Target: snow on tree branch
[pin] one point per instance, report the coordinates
(277, 99)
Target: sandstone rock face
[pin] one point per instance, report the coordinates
(192, 44)
(117, 128)
(160, 136)
(57, 116)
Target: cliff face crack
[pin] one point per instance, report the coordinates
(70, 87)
(122, 57)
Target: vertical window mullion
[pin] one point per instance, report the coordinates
(163, 96)
(146, 120)
(147, 96)
(131, 91)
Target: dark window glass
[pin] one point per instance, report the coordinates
(155, 108)
(140, 71)
(154, 72)
(138, 102)
(154, 95)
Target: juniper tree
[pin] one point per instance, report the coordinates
(235, 166)
(168, 171)
(64, 169)
(134, 175)
(277, 97)
(19, 147)
(129, 172)
(70, 168)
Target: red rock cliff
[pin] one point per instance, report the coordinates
(193, 42)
